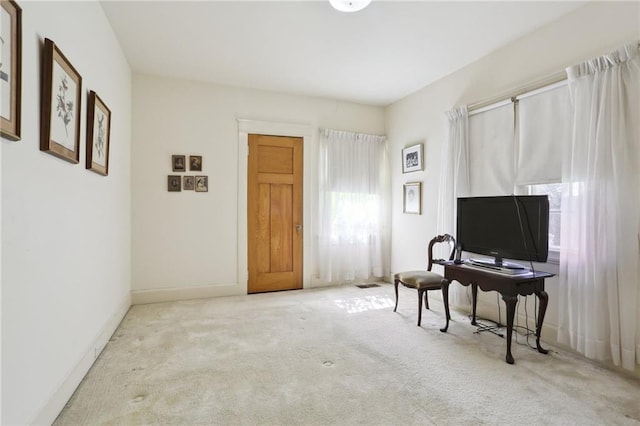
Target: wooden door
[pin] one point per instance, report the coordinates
(274, 213)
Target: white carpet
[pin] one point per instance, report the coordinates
(336, 356)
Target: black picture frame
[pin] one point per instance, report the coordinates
(195, 163)
(178, 163)
(174, 183)
(188, 183)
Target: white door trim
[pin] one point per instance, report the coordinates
(246, 127)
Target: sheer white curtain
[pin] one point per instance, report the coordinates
(599, 297)
(353, 228)
(454, 182)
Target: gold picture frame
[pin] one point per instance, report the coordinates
(412, 198)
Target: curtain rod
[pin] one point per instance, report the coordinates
(549, 80)
(552, 79)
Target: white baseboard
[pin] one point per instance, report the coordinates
(141, 297)
(58, 400)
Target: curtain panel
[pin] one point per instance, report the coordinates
(353, 216)
(599, 294)
(454, 183)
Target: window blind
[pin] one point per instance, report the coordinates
(543, 127)
(492, 151)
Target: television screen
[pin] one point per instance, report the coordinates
(511, 227)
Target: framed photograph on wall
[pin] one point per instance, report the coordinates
(98, 135)
(195, 163)
(202, 184)
(178, 163)
(174, 183)
(10, 69)
(189, 183)
(60, 105)
(412, 158)
(412, 199)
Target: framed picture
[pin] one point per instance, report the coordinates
(412, 158)
(174, 183)
(195, 163)
(412, 200)
(10, 69)
(60, 106)
(98, 135)
(202, 184)
(189, 183)
(178, 163)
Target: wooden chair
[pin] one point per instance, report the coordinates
(427, 280)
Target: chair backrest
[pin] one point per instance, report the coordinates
(441, 239)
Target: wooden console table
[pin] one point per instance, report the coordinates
(509, 286)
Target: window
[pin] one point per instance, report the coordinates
(353, 190)
(354, 217)
(554, 191)
(521, 139)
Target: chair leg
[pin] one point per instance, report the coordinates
(426, 300)
(395, 283)
(420, 305)
(445, 296)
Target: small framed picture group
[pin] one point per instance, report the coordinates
(178, 183)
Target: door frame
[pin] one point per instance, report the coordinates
(246, 127)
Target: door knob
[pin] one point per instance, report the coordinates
(298, 227)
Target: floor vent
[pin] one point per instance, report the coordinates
(367, 285)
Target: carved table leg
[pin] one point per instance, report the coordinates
(474, 297)
(511, 302)
(395, 283)
(544, 299)
(445, 298)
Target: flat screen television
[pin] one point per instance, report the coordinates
(505, 227)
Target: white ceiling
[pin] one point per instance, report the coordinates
(376, 56)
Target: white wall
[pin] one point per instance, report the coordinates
(187, 244)
(65, 230)
(590, 31)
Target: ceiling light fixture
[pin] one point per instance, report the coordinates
(349, 5)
